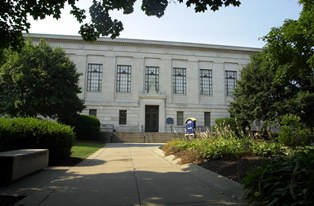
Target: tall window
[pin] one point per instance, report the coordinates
(122, 116)
(231, 79)
(94, 77)
(123, 78)
(151, 79)
(179, 117)
(206, 82)
(207, 119)
(179, 80)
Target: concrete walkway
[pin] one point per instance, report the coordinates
(127, 174)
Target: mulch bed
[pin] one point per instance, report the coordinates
(234, 168)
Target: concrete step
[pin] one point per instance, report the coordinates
(128, 137)
(156, 137)
(141, 137)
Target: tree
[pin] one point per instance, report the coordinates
(280, 80)
(253, 95)
(39, 80)
(14, 15)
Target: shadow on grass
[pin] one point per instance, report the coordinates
(71, 161)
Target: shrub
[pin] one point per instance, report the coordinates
(86, 127)
(265, 148)
(175, 146)
(23, 133)
(228, 124)
(292, 132)
(287, 180)
(214, 147)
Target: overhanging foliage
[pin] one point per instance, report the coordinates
(14, 15)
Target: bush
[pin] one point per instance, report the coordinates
(23, 133)
(292, 132)
(265, 148)
(286, 181)
(86, 127)
(173, 147)
(227, 123)
(226, 146)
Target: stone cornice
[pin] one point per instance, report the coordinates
(143, 43)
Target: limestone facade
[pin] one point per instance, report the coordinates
(142, 85)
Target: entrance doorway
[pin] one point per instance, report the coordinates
(151, 118)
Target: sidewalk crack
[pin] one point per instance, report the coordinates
(136, 181)
(46, 197)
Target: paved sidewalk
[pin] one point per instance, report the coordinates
(127, 174)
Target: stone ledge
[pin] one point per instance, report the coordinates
(16, 164)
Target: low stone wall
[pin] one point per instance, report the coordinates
(19, 163)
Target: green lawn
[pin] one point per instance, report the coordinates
(82, 148)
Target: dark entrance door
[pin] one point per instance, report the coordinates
(151, 118)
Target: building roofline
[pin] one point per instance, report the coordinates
(142, 42)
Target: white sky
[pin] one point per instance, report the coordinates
(237, 26)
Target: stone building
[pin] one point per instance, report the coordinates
(153, 86)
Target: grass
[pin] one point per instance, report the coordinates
(83, 148)
(80, 151)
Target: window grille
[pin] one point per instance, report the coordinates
(206, 82)
(180, 117)
(207, 119)
(123, 78)
(179, 80)
(92, 112)
(122, 117)
(94, 77)
(231, 79)
(151, 79)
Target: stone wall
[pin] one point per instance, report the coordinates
(164, 55)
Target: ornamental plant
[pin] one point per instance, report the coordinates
(287, 180)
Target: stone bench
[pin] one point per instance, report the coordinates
(19, 163)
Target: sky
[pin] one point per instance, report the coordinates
(234, 26)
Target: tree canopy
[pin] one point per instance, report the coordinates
(14, 15)
(39, 80)
(280, 79)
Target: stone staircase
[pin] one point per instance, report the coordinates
(140, 137)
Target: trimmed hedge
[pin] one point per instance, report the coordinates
(23, 133)
(86, 127)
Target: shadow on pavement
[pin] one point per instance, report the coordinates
(128, 187)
